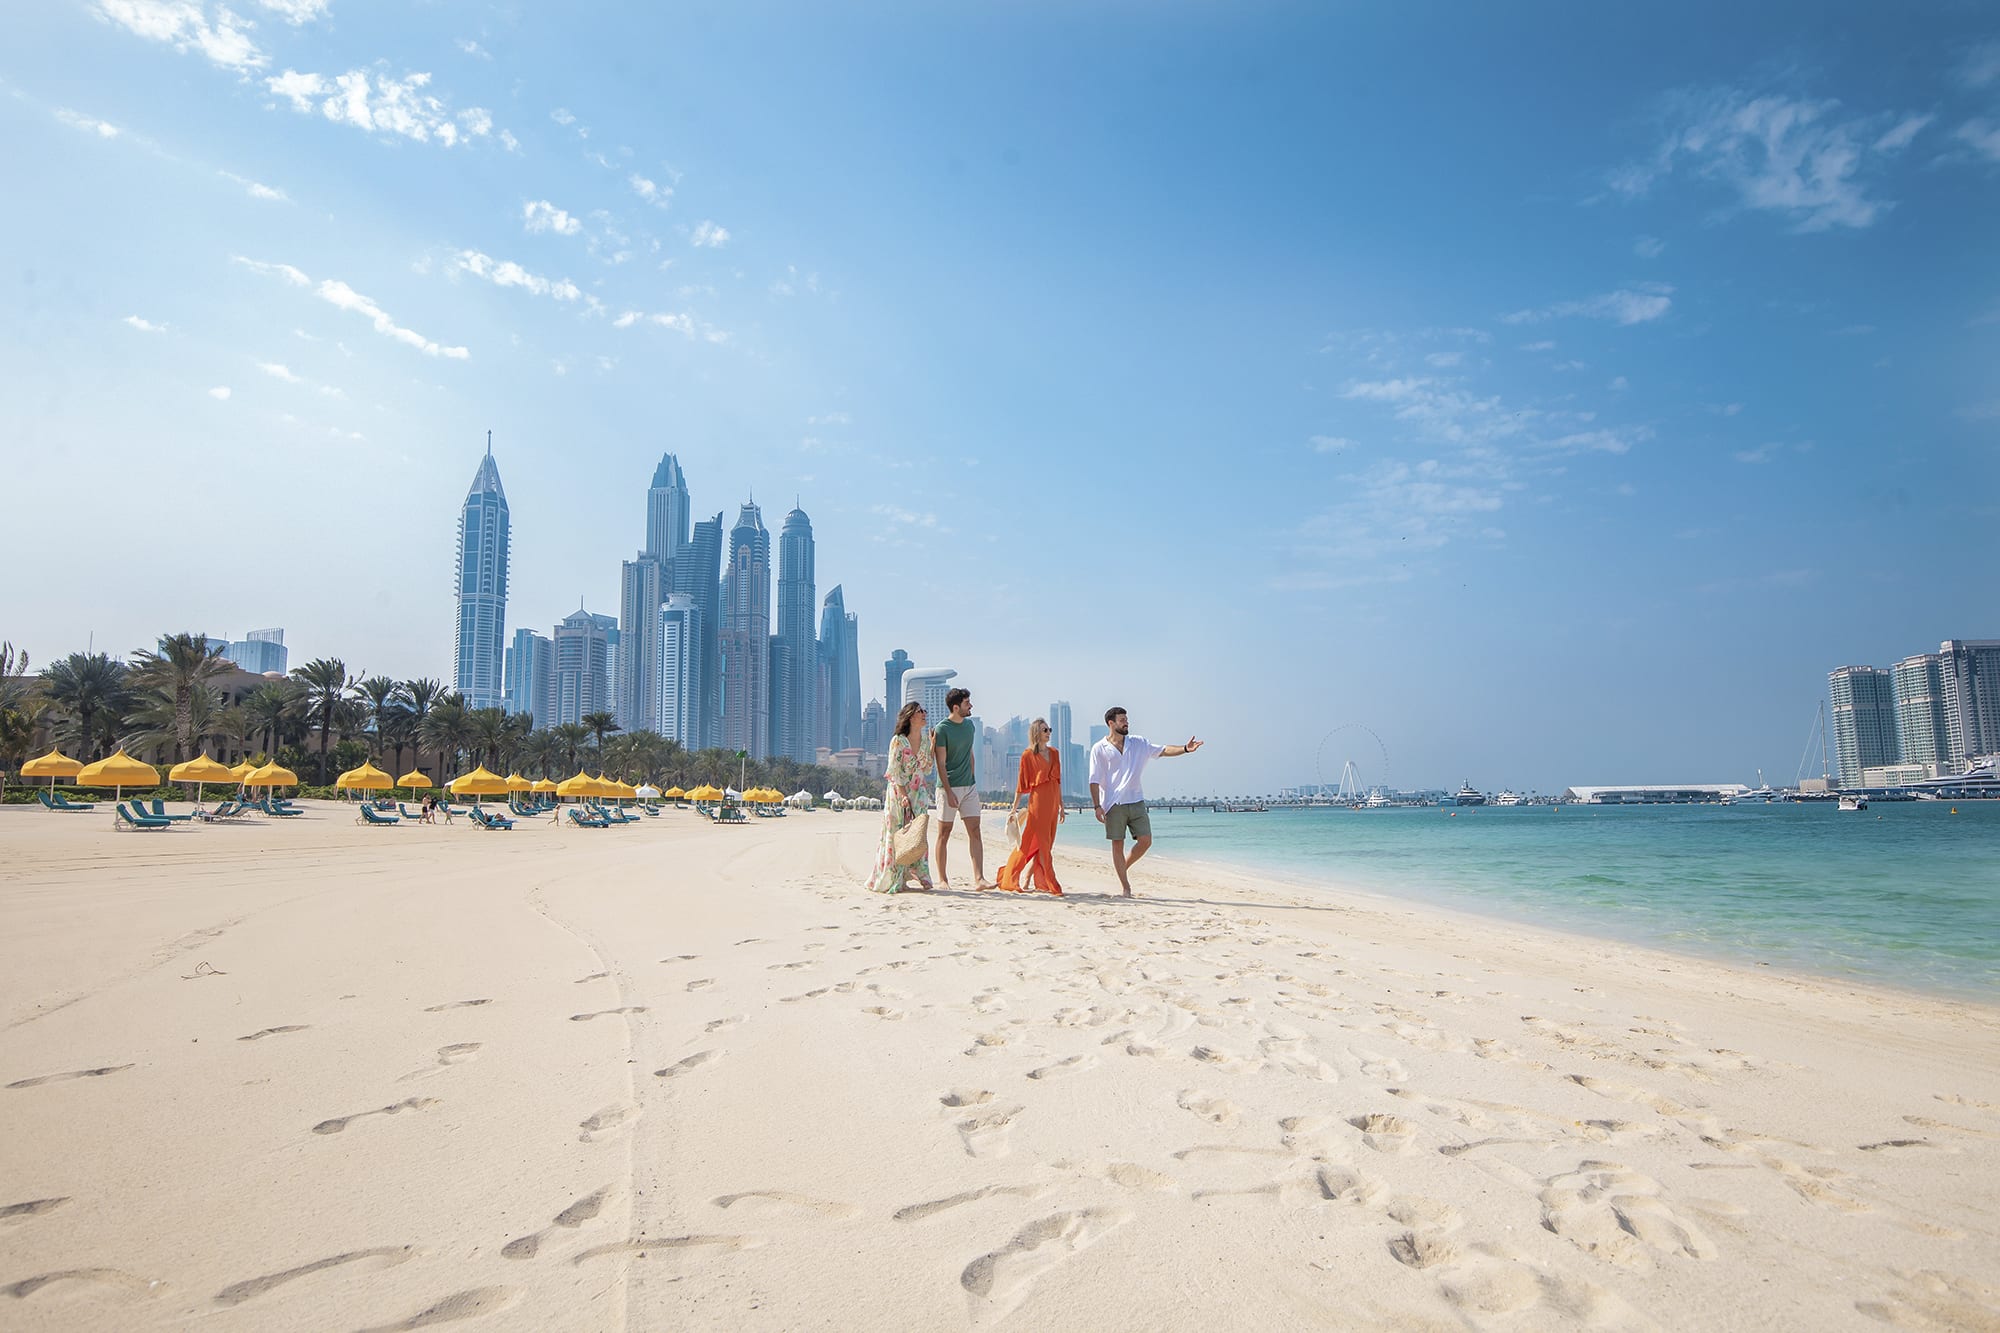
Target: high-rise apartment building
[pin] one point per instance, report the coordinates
(530, 661)
(794, 652)
(681, 694)
(644, 584)
(698, 575)
(892, 693)
(1061, 722)
(1864, 720)
(840, 672)
(580, 672)
(261, 651)
(1969, 670)
(874, 728)
(928, 686)
(745, 638)
(479, 639)
(1920, 728)
(667, 509)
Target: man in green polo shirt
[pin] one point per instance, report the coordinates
(958, 791)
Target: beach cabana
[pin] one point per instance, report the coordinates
(55, 764)
(479, 782)
(118, 772)
(201, 772)
(800, 800)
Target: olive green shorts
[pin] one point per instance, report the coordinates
(1128, 818)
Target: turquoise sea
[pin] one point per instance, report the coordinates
(1906, 894)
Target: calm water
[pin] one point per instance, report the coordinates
(1907, 894)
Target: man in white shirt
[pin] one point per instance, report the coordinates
(1116, 763)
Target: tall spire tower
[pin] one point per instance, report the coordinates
(479, 647)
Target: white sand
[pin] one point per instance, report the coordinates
(315, 1075)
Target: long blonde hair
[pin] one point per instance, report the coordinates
(1038, 735)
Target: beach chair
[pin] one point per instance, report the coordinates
(57, 801)
(647, 809)
(581, 820)
(414, 816)
(370, 815)
(160, 812)
(279, 808)
(136, 818)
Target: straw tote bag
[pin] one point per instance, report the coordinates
(912, 839)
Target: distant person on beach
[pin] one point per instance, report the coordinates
(906, 796)
(958, 791)
(1115, 765)
(1040, 780)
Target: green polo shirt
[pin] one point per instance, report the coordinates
(957, 740)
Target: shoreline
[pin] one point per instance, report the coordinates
(679, 1075)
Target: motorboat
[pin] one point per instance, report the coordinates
(1854, 802)
(1467, 796)
(1510, 798)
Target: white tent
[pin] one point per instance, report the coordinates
(800, 800)
(649, 792)
(831, 796)
(732, 793)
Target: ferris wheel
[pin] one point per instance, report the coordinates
(1336, 748)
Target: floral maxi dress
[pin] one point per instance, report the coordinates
(907, 795)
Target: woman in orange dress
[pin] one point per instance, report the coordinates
(1040, 780)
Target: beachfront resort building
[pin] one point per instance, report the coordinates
(892, 694)
(1969, 670)
(479, 639)
(928, 685)
(1864, 720)
(678, 707)
(530, 671)
(1918, 683)
(840, 670)
(795, 664)
(260, 652)
(746, 633)
(580, 674)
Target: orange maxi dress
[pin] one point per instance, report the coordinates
(1041, 778)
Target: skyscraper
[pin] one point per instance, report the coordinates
(679, 706)
(1060, 723)
(928, 685)
(697, 574)
(667, 508)
(530, 659)
(580, 673)
(482, 588)
(746, 631)
(1920, 731)
(874, 729)
(892, 694)
(645, 583)
(794, 653)
(1970, 671)
(840, 669)
(261, 651)
(1864, 720)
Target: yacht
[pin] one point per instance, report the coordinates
(1510, 798)
(1377, 800)
(1854, 802)
(1467, 796)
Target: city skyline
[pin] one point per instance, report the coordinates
(1483, 422)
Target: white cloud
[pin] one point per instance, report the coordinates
(1444, 359)
(103, 129)
(1648, 247)
(377, 103)
(506, 273)
(1982, 136)
(1618, 384)
(830, 419)
(907, 518)
(341, 296)
(561, 116)
(540, 215)
(279, 372)
(1543, 346)
(1386, 391)
(651, 191)
(1624, 306)
(472, 48)
(709, 234)
(256, 189)
(1763, 453)
(1981, 65)
(187, 25)
(1803, 159)
(1330, 444)
(297, 12)
(509, 142)
(220, 393)
(145, 325)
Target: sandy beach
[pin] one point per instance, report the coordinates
(322, 1076)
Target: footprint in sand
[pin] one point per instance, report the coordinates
(1811, 1185)
(1498, 1280)
(998, 1281)
(1217, 1058)
(103, 1285)
(370, 1261)
(668, 1244)
(261, 1033)
(1422, 1249)
(917, 1212)
(1933, 1299)
(1215, 1110)
(64, 1078)
(987, 1133)
(700, 983)
(681, 958)
(1385, 1133)
(577, 1214)
(456, 1004)
(15, 1212)
(339, 1123)
(1125, 1175)
(475, 1303)
(782, 1200)
(1625, 1092)
(961, 1097)
(607, 1123)
(455, 1054)
(883, 1011)
(687, 1065)
(1617, 1214)
(724, 1024)
(1380, 1066)
(594, 976)
(1073, 1065)
(600, 1013)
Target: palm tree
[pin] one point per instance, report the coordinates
(385, 697)
(327, 687)
(572, 735)
(272, 708)
(86, 686)
(396, 729)
(540, 750)
(179, 671)
(446, 730)
(598, 724)
(490, 732)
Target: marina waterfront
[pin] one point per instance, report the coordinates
(1903, 894)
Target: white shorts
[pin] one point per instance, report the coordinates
(968, 804)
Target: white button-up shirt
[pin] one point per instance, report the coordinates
(1115, 772)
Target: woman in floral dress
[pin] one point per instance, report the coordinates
(908, 794)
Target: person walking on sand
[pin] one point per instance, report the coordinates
(907, 795)
(1040, 780)
(958, 790)
(1115, 765)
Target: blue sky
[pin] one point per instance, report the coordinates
(1559, 391)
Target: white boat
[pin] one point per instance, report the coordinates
(1510, 798)
(1467, 796)
(1377, 800)
(1854, 802)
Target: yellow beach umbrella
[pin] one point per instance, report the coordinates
(55, 764)
(201, 772)
(365, 778)
(542, 785)
(242, 770)
(515, 782)
(580, 785)
(118, 772)
(414, 780)
(479, 782)
(273, 774)
(674, 794)
(604, 786)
